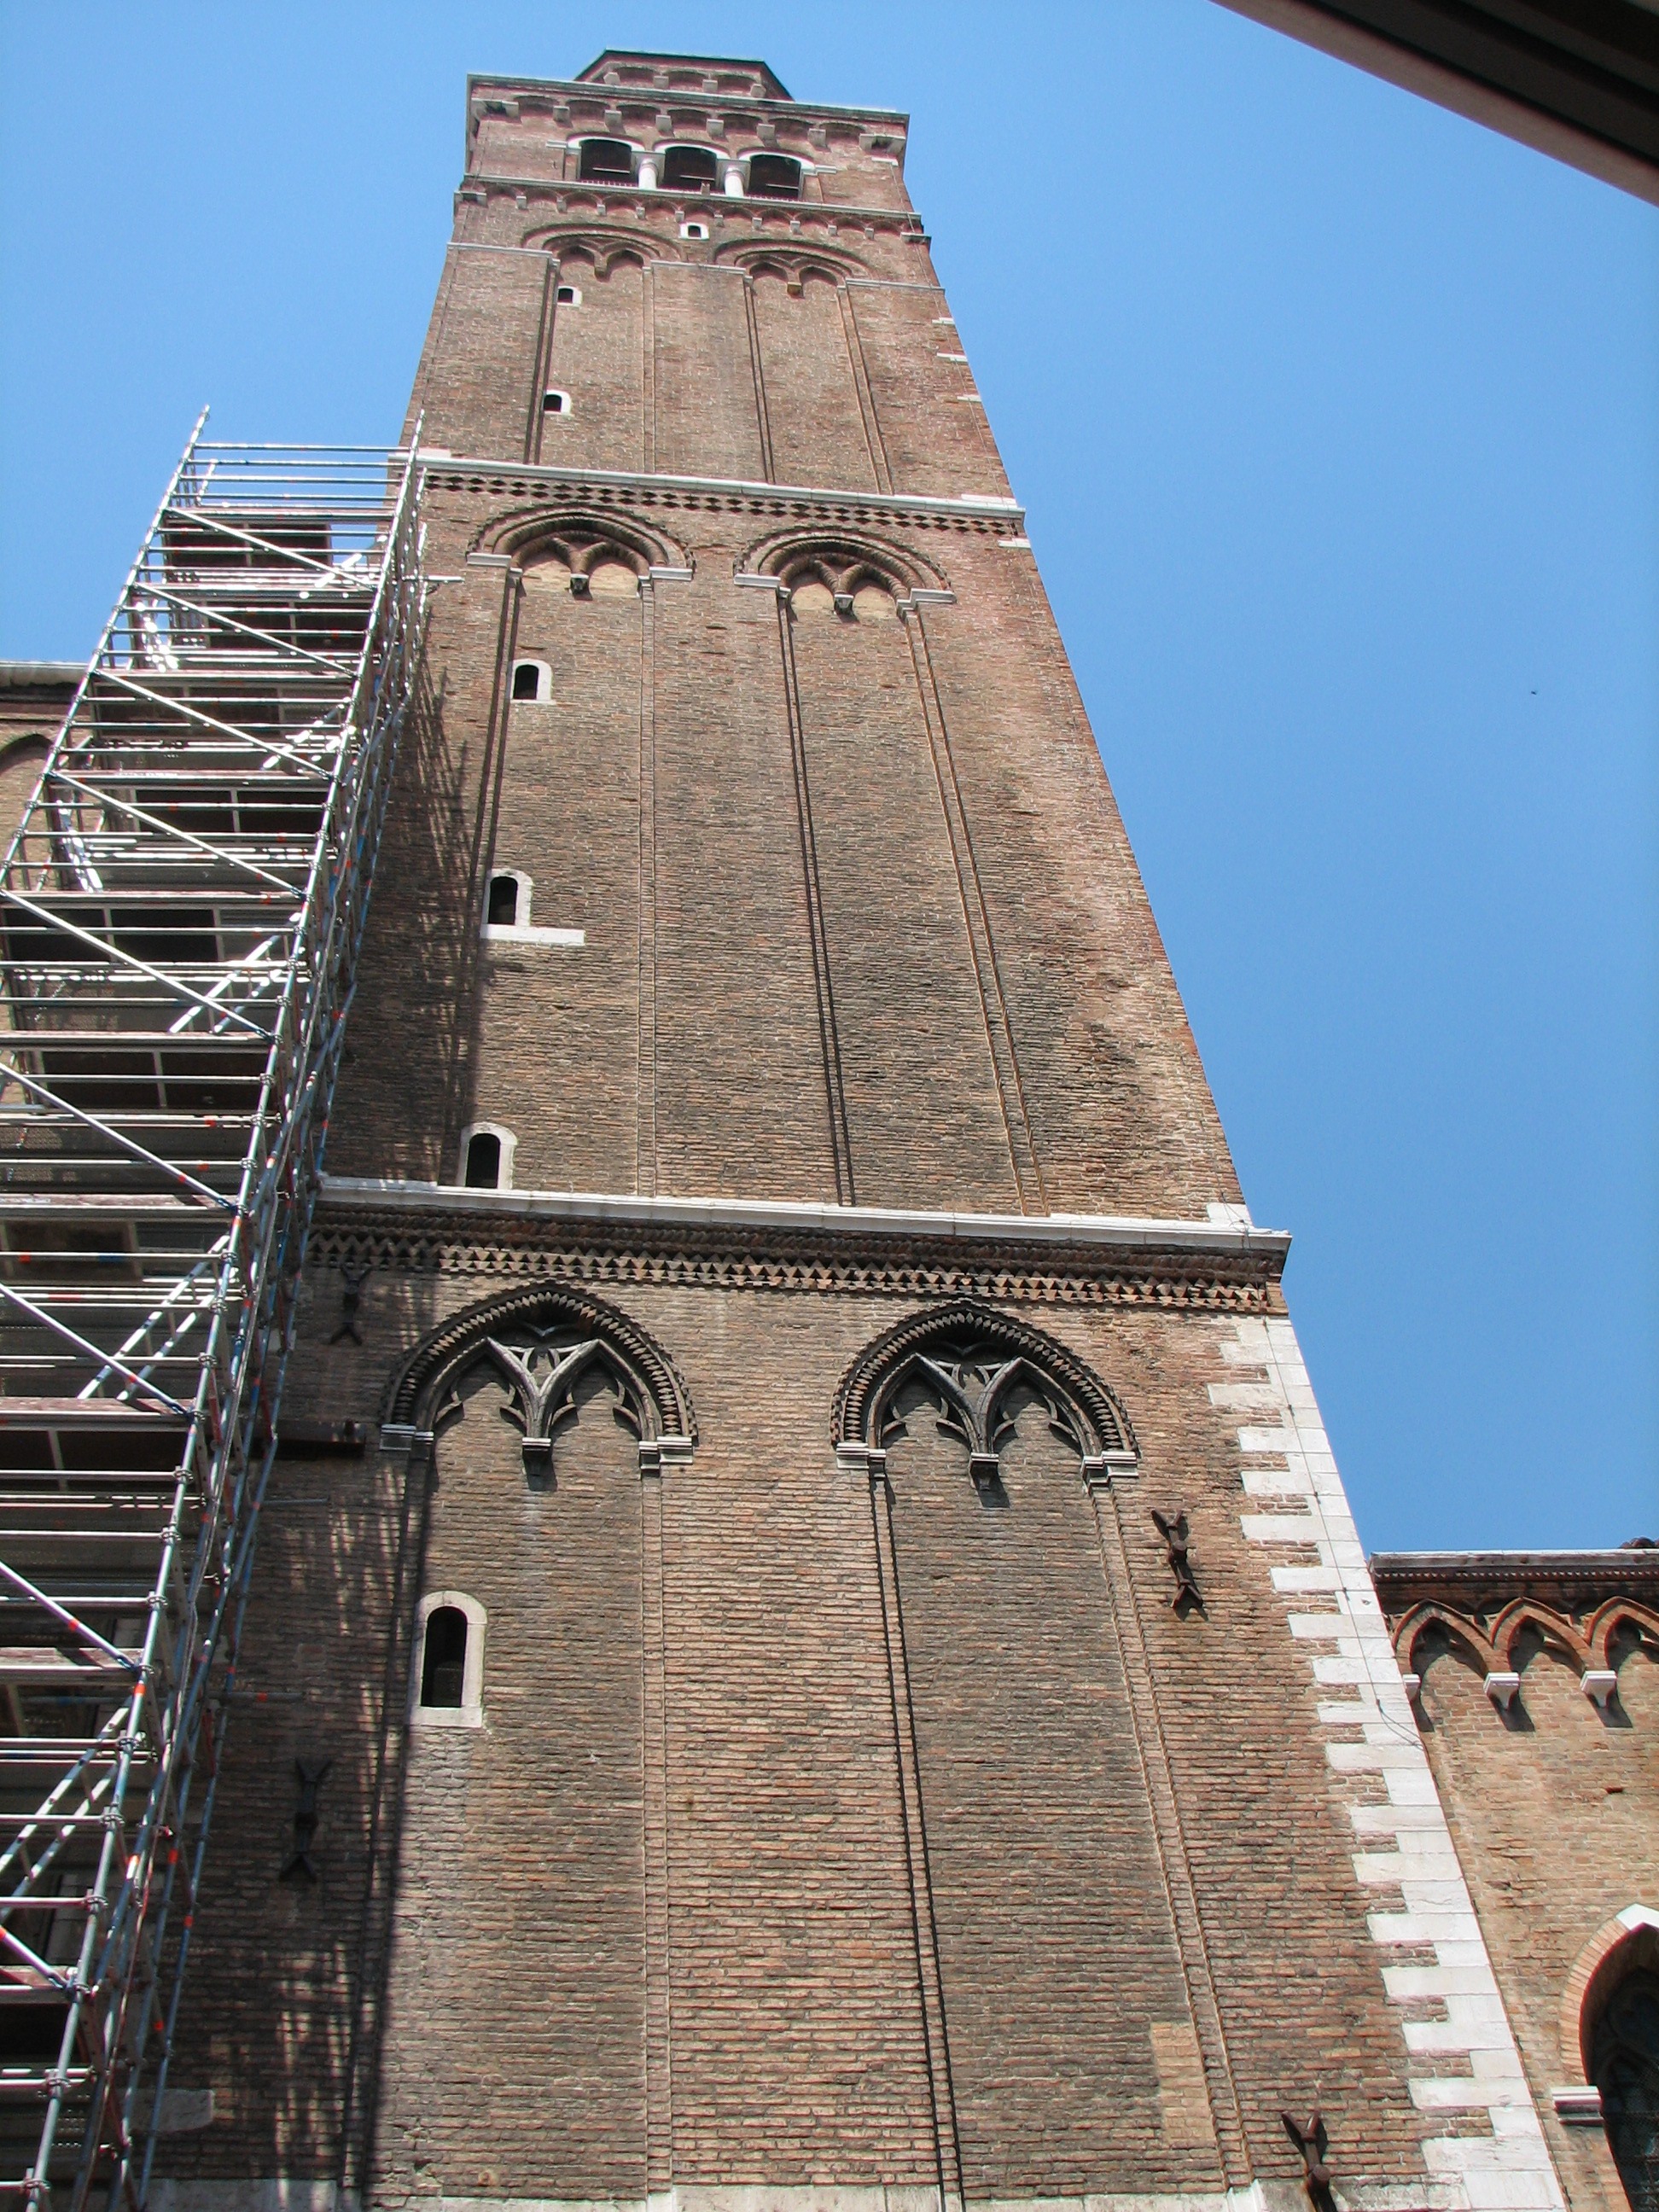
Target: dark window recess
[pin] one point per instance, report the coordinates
(774, 177)
(689, 169)
(504, 902)
(527, 681)
(443, 1668)
(566, 295)
(555, 403)
(1625, 2069)
(607, 161)
(483, 1161)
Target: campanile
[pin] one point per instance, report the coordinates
(808, 1654)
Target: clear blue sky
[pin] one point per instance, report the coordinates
(1337, 421)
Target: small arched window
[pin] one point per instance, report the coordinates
(606, 162)
(527, 680)
(486, 1158)
(567, 295)
(446, 1680)
(443, 1662)
(1625, 2067)
(774, 177)
(503, 901)
(689, 169)
(694, 230)
(555, 403)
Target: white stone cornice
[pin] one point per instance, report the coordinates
(1104, 1232)
(969, 506)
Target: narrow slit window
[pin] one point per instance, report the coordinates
(504, 902)
(443, 1666)
(483, 1161)
(528, 681)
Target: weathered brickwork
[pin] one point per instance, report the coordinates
(893, 1775)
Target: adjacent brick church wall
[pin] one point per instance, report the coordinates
(1552, 1793)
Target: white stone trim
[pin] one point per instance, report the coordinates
(989, 504)
(1405, 1843)
(1127, 1232)
(470, 1712)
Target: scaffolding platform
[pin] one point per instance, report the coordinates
(183, 902)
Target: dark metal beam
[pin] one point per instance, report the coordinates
(1575, 78)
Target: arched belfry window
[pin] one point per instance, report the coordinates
(774, 177)
(689, 169)
(1625, 2068)
(606, 162)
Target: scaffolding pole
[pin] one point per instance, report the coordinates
(183, 904)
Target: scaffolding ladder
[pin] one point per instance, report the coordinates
(183, 902)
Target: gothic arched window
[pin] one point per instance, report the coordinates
(1625, 2067)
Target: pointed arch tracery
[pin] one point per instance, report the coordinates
(603, 250)
(541, 1344)
(795, 267)
(1456, 1629)
(972, 1362)
(578, 542)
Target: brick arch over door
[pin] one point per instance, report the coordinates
(1043, 1873)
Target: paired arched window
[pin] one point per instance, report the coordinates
(447, 1678)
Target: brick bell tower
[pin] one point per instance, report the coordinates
(809, 1654)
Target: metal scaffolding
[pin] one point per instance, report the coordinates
(184, 903)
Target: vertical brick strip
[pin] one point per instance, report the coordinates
(1153, 1753)
(539, 367)
(935, 2038)
(463, 1073)
(1022, 1152)
(1468, 2063)
(645, 1144)
(861, 383)
(658, 2076)
(649, 368)
(830, 1039)
(406, 1478)
(759, 374)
